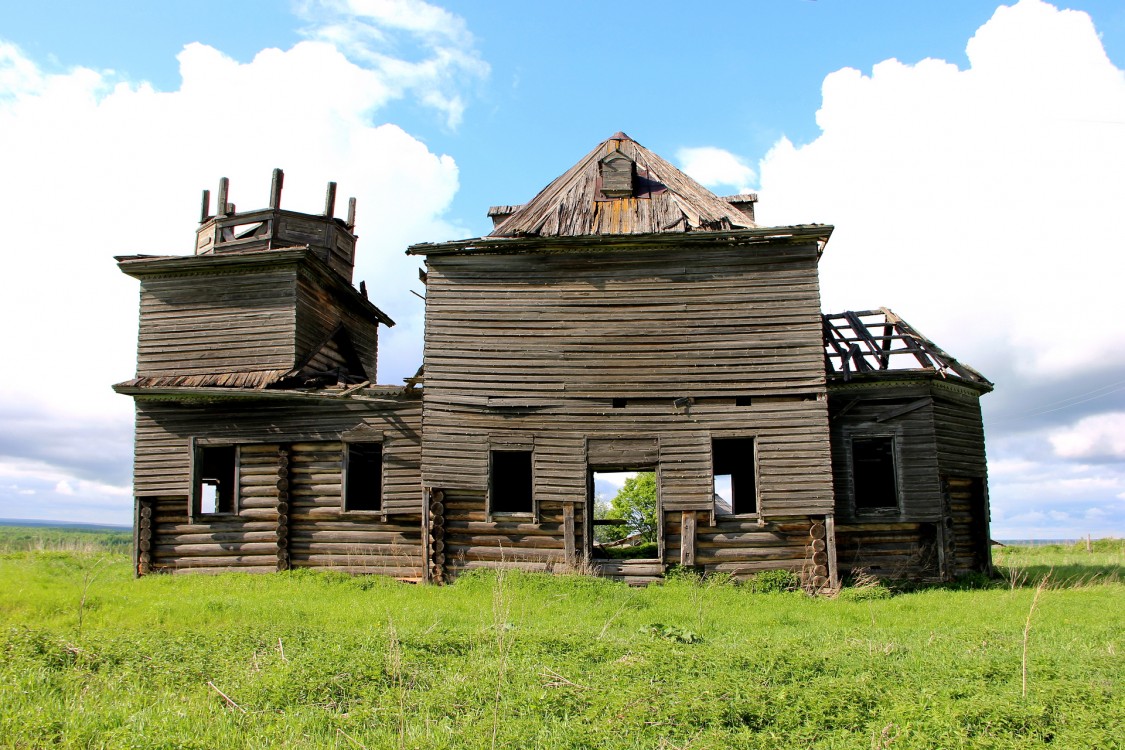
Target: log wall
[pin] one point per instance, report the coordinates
(289, 505)
(742, 547)
(890, 550)
(471, 540)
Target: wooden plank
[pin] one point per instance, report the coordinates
(687, 540)
(830, 539)
(568, 533)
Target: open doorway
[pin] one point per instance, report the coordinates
(624, 509)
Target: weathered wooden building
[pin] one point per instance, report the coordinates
(623, 319)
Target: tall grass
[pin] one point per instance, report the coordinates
(325, 660)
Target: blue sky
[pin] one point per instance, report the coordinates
(968, 153)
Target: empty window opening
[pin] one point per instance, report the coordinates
(742, 401)
(735, 479)
(363, 476)
(217, 478)
(625, 520)
(511, 482)
(873, 473)
(619, 403)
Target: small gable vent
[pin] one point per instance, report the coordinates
(617, 172)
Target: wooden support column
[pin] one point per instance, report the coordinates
(830, 539)
(436, 538)
(427, 574)
(568, 533)
(818, 576)
(275, 189)
(144, 536)
(687, 539)
(282, 508)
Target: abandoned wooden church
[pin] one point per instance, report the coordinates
(624, 319)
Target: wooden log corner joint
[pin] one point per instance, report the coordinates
(774, 436)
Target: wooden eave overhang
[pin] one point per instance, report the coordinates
(801, 233)
(367, 393)
(156, 266)
(840, 382)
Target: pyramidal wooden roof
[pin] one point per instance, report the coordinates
(590, 198)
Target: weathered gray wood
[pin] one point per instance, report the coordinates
(568, 533)
(687, 543)
(830, 538)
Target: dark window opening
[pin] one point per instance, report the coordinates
(735, 481)
(363, 478)
(511, 482)
(217, 486)
(742, 401)
(619, 403)
(873, 473)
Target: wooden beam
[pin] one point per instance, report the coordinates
(687, 539)
(830, 540)
(330, 200)
(904, 409)
(568, 533)
(224, 186)
(275, 188)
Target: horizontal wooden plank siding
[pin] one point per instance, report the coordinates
(320, 311)
(235, 322)
(555, 350)
(960, 433)
(868, 410)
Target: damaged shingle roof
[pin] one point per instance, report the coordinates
(660, 198)
(872, 342)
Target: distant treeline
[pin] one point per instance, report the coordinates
(29, 538)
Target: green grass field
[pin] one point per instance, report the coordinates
(90, 657)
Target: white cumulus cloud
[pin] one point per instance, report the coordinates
(716, 168)
(96, 166)
(973, 201)
(1098, 436)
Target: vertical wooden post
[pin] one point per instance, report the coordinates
(436, 538)
(427, 576)
(687, 539)
(275, 188)
(282, 532)
(830, 540)
(222, 209)
(568, 533)
(941, 544)
(351, 214)
(205, 207)
(330, 200)
(144, 536)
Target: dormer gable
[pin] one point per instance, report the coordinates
(616, 174)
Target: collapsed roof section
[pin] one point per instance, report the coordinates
(877, 343)
(622, 188)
